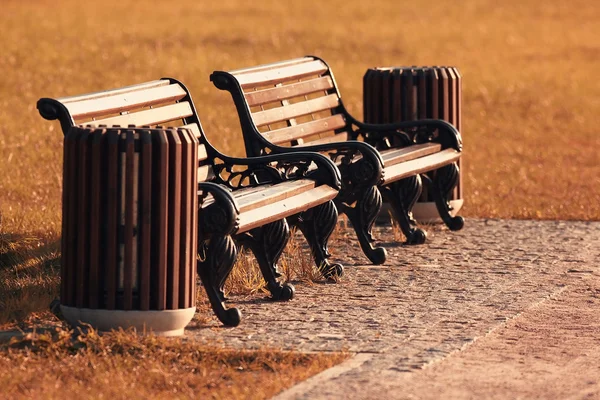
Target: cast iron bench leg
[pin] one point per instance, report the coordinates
(317, 224)
(444, 181)
(402, 195)
(220, 256)
(363, 216)
(267, 243)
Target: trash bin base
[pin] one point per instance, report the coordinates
(161, 323)
(423, 212)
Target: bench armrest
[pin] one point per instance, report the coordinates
(225, 219)
(369, 171)
(282, 166)
(420, 131)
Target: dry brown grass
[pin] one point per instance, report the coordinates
(530, 104)
(59, 364)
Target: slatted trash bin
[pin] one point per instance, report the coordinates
(129, 229)
(409, 93)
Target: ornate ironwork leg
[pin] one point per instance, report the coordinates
(213, 270)
(402, 195)
(362, 216)
(267, 244)
(444, 181)
(317, 224)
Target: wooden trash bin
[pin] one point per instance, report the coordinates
(129, 229)
(397, 94)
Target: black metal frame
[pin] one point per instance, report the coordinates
(218, 237)
(361, 179)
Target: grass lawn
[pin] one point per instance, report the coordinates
(531, 103)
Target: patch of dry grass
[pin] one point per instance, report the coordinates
(63, 364)
(530, 110)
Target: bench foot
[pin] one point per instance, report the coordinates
(267, 244)
(363, 216)
(220, 256)
(402, 195)
(317, 224)
(441, 186)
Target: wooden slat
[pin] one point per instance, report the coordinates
(193, 229)
(295, 110)
(127, 243)
(305, 129)
(145, 220)
(160, 157)
(153, 116)
(113, 92)
(187, 165)
(173, 245)
(420, 165)
(70, 241)
(112, 215)
(273, 194)
(194, 128)
(338, 137)
(96, 203)
(280, 74)
(279, 93)
(277, 64)
(395, 156)
(82, 218)
(125, 101)
(284, 208)
(201, 153)
(205, 173)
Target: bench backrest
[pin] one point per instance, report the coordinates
(290, 102)
(164, 102)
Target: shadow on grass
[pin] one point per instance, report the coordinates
(29, 276)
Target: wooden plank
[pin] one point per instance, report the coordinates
(173, 244)
(154, 116)
(443, 95)
(280, 74)
(284, 208)
(303, 130)
(187, 190)
(205, 173)
(126, 101)
(82, 218)
(395, 156)
(70, 233)
(192, 236)
(420, 165)
(113, 92)
(194, 128)
(145, 220)
(367, 95)
(201, 153)
(273, 194)
(338, 137)
(128, 218)
(112, 217)
(295, 110)
(160, 215)
(397, 99)
(96, 203)
(422, 93)
(265, 96)
(268, 66)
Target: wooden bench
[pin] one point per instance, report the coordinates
(295, 104)
(242, 201)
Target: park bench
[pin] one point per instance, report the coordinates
(242, 201)
(296, 105)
